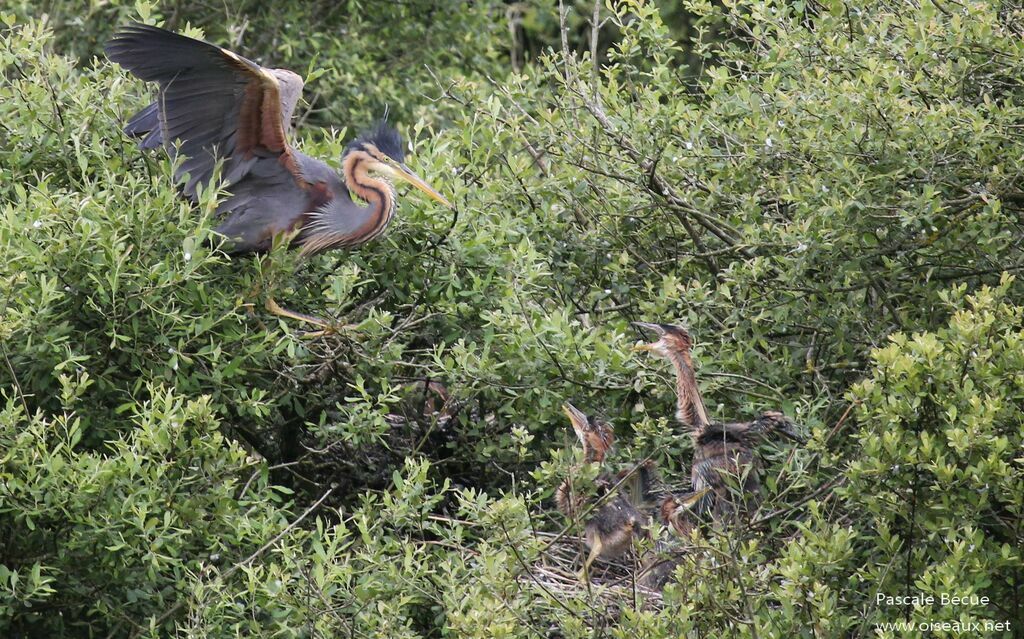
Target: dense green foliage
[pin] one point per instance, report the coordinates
(828, 194)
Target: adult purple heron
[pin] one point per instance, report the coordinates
(215, 107)
(721, 450)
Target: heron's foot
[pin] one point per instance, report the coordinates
(326, 327)
(595, 552)
(584, 575)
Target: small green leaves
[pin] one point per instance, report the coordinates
(827, 195)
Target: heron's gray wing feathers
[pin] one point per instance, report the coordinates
(290, 89)
(146, 125)
(213, 104)
(264, 203)
(267, 201)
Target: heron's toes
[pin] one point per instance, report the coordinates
(331, 329)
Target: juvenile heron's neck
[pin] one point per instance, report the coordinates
(689, 406)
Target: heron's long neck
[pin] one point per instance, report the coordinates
(689, 405)
(568, 499)
(378, 193)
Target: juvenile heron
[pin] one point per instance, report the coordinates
(214, 106)
(676, 512)
(612, 522)
(721, 450)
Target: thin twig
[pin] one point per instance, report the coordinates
(839, 424)
(827, 486)
(17, 384)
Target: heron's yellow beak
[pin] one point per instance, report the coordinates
(642, 347)
(404, 173)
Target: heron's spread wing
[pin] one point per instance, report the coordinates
(214, 104)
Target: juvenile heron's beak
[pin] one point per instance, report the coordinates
(691, 500)
(575, 415)
(580, 424)
(404, 173)
(654, 328)
(789, 431)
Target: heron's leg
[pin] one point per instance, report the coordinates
(274, 308)
(325, 326)
(595, 552)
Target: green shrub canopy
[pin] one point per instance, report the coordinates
(828, 195)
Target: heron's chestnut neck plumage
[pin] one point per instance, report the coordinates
(689, 405)
(344, 222)
(376, 191)
(594, 453)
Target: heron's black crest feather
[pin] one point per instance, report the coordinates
(384, 137)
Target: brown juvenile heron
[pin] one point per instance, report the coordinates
(676, 512)
(612, 521)
(721, 450)
(216, 107)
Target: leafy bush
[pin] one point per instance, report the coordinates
(826, 194)
(939, 477)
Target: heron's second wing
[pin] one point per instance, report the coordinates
(146, 125)
(213, 104)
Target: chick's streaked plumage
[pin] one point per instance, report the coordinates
(612, 521)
